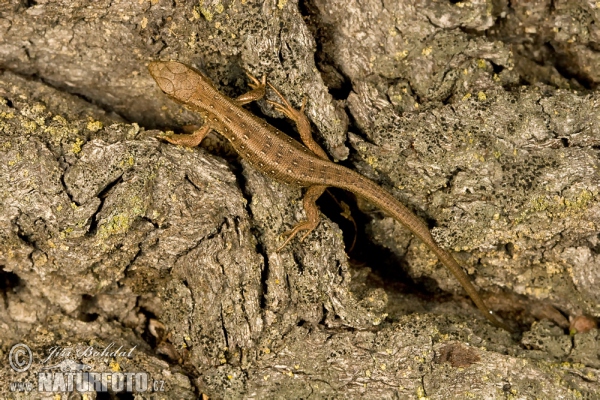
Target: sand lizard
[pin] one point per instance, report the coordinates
(281, 157)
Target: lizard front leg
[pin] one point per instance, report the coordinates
(257, 92)
(189, 140)
(312, 215)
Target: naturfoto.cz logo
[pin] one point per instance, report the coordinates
(69, 375)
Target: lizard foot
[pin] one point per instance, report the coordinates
(256, 84)
(257, 92)
(302, 226)
(286, 108)
(302, 122)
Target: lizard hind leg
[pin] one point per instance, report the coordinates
(312, 215)
(301, 121)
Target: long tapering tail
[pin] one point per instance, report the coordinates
(369, 190)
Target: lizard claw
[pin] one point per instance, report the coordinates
(304, 99)
(285, 107)
(282, 109)
(283, 99)
(255, 83)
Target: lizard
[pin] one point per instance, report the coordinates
(283, 158)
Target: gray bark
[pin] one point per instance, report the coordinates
(482, 116)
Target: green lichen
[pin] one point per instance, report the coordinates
(118, 223)
(558, 206)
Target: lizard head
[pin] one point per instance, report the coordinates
(175, 79)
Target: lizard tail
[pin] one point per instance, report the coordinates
(388, 203)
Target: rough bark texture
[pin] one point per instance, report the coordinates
(482, 116)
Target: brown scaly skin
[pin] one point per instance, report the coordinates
(276, 154)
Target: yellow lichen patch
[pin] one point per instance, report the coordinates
(558, 206)
(401, 55)
(94, 126)
(76, 147)
(372, 161)
(119, 223)
(59, 119)
(538, 292)
(15, 160)
(281, 4)
(581, 201)
(66, 232)
(114, 366)
(479, 157)
(29, 125)
(427, 51)
(466, 97)
(539, 204)
(38, 108)
(206, 14)
(553, 268)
